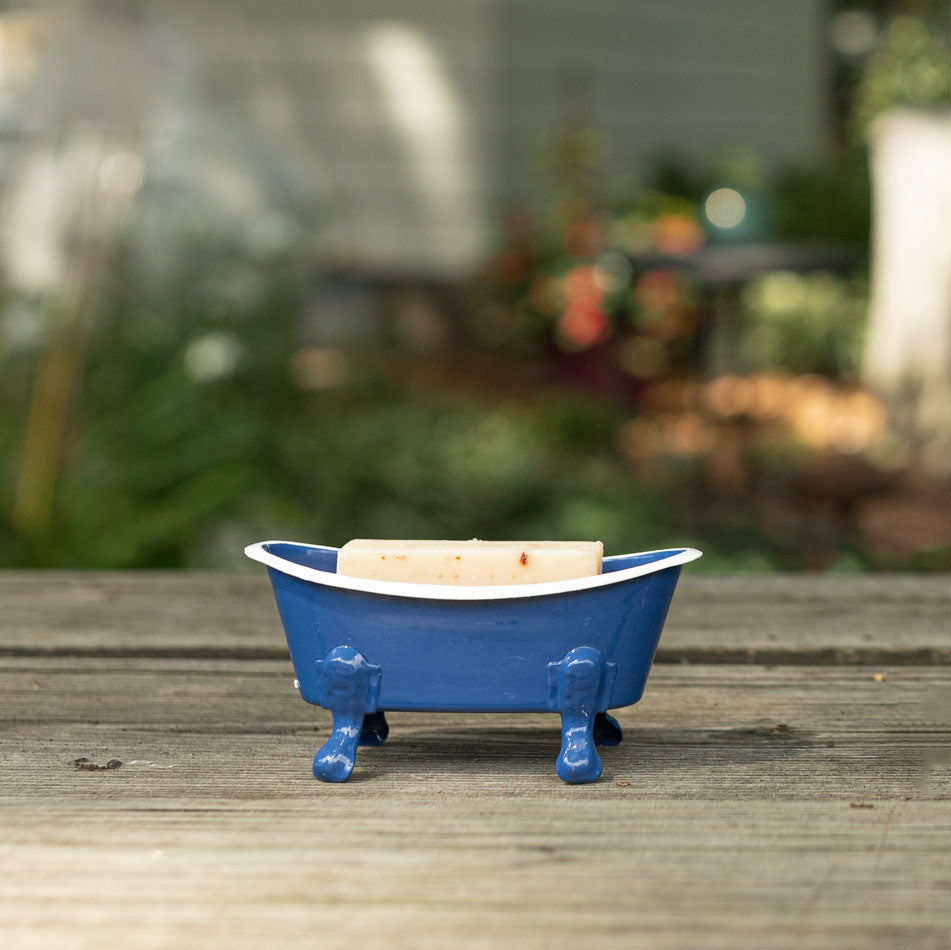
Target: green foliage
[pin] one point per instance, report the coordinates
(440, 469)
(191, 435)
(803, 323)
(829, 201)
(910, 68)
(190, 438)
(175, 462)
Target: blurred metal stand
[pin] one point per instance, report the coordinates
(720, 270)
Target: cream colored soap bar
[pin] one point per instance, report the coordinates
(470, 562)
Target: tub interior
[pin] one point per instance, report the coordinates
(320, 559)
(325, 559)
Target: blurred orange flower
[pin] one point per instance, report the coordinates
(676, 234)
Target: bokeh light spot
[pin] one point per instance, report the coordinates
(725, 208)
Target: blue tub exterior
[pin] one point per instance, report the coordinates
(474, 655)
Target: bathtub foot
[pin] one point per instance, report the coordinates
(579, 688)
(348, 686)
(375, 729)
(607, 731)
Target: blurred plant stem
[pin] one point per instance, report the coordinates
(54, 389)
(99, 215)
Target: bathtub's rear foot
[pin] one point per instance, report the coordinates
(579, 688)
(606, 730)
(375, 729)
(348, 687)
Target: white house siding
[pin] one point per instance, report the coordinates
(687, 78)
(681, 77)
(394, 130)
(382, 111)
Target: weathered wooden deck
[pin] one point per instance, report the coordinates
(785, 782)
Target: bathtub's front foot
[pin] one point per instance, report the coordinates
(579, 688)
(375, 729)
(607, 730)
(348, 686)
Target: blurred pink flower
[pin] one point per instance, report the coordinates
(583, 281)
(583, 324)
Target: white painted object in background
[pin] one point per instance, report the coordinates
(908, 347)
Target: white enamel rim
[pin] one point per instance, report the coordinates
(257, 552)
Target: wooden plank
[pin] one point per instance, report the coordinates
(735, 823)
(807, 618)
(664, 875)
(158, 613)
(889, 618)
(203, 728)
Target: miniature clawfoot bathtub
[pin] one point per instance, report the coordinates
(577, 647)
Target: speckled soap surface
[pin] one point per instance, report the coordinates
(470, 563)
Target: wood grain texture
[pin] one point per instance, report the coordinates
(751, 805)
(642, 875)
(212, 729)
(747, 618)
(725, 819)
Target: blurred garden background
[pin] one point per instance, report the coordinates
(652, 273)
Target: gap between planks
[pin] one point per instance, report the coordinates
(728, 619)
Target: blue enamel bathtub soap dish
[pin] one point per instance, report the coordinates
(577, 647)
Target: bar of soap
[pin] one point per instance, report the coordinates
(470, 562)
